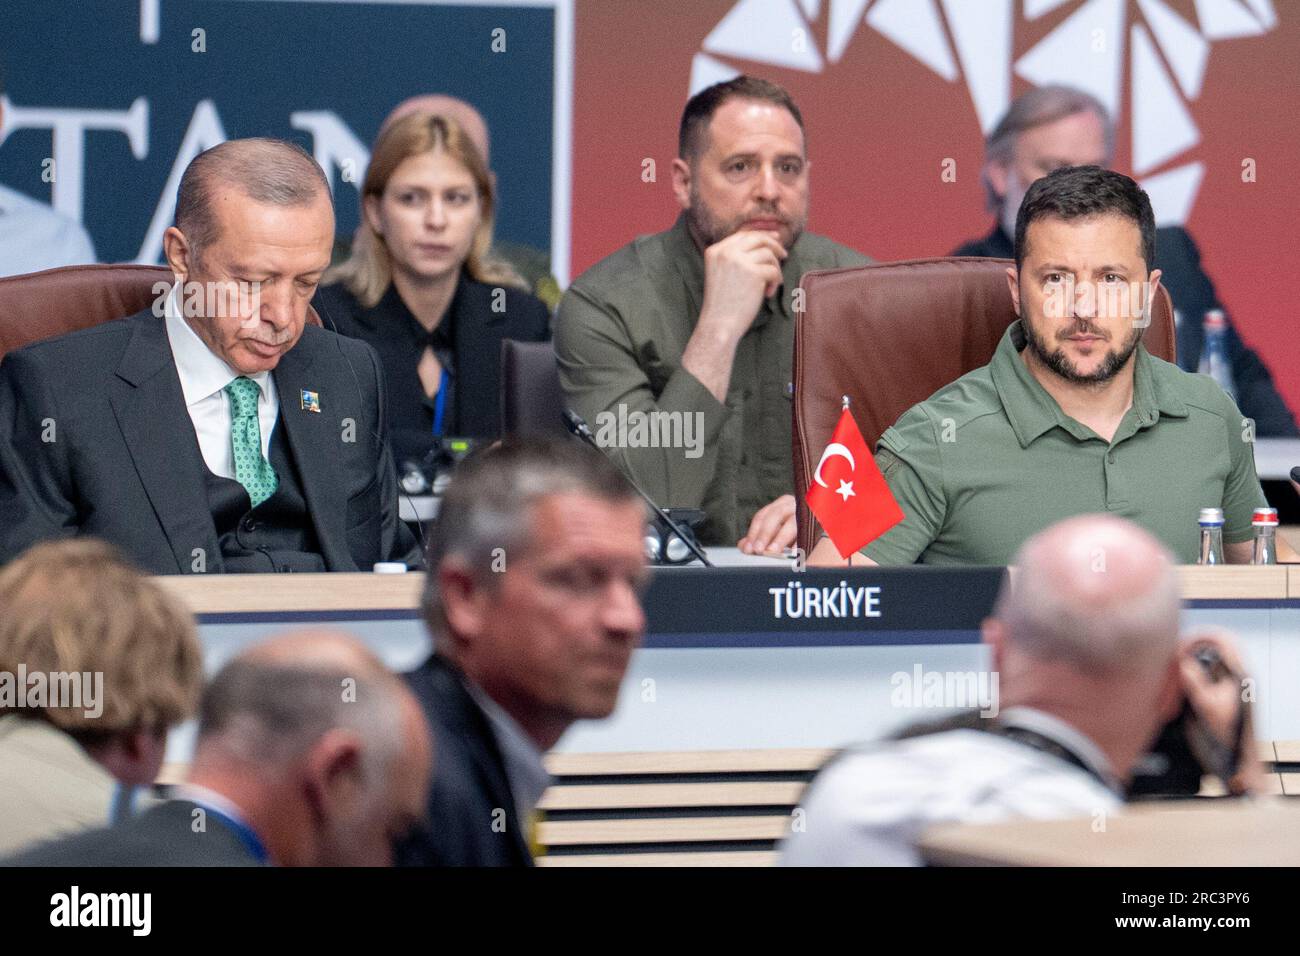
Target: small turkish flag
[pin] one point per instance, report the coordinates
(849, 495)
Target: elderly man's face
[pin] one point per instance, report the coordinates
(1075, 140)
(552, 636)
(752, 174)
(1082, 291)
(246, 293)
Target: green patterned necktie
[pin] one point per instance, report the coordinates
(251, 470)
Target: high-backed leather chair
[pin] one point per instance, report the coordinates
(42, 305)
(532, 402)
(891, 335)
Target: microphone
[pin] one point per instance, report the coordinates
(578, 426)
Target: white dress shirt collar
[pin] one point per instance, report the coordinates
(201, 371)
(525, 771)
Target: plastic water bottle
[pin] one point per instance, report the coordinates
(1265, 524)
(1214, 357)
(1211, 523)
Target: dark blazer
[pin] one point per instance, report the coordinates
(1179, 261)
(95, 439)
(473, 331)
(163, 835)
(469, 781)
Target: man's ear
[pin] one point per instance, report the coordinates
(682, 182)
(1013, 283)
(997, 177)
(464, 601)
(179, 253)
(1169, 698)
(332, 768)
(993, 635)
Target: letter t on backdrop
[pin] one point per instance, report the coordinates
(849, 495)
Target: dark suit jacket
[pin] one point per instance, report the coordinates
(95, 439)
(160, 836)
(1179, 261)
(473, 331)
(469, 781)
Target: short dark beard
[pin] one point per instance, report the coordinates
(1061, 366)
(708, 229)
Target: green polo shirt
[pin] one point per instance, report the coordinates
(990, 460)
(620, 332)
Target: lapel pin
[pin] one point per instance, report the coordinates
(310, 401)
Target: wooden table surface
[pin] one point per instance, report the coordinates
(1263, 832)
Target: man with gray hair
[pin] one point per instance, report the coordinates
(219, 430)
(536, 565)
(1054, 126)
(309, 753)
(1085, 642)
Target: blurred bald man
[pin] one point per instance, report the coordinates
(309, 753)
(1085, 644)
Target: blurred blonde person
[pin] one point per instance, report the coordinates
(120, 665)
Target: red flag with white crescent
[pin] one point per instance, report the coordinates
(848, 493)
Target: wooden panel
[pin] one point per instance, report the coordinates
(234, 593)
(1288, 751)
(1234, 582)
(1182, 833)
(687, 761)
(672, 830)
(658, 795)
(738, 858)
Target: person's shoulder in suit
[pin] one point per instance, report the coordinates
(94, 348)
(339, 310)
(174, 833)
(470, 820)
(994, 245)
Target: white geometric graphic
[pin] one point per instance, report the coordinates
(1185, 50)
(1264, 11)
(1173, 193)
(982, 32)
(1162, 127)
(765, 30)
(1036, 8)
(1226, 19)
(705, 71)
(845, 17)
(1086, 52)
(915, 26)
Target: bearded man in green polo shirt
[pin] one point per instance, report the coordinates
(1073, 415)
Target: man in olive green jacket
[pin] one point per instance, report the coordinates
(677, 348)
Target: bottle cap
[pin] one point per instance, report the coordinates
(1214, 319)
(1210, 516)
(390, 567)
(1264, 517)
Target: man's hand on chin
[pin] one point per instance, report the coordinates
(772, 530)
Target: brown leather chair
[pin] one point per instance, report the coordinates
(532, 401)
(42, 305)
(891, 335)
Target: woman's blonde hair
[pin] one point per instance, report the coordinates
(78, 607)
(368, 272)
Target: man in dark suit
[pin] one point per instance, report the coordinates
(288, 769)
(217, 431)
(533, 602)
(1055, 126)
